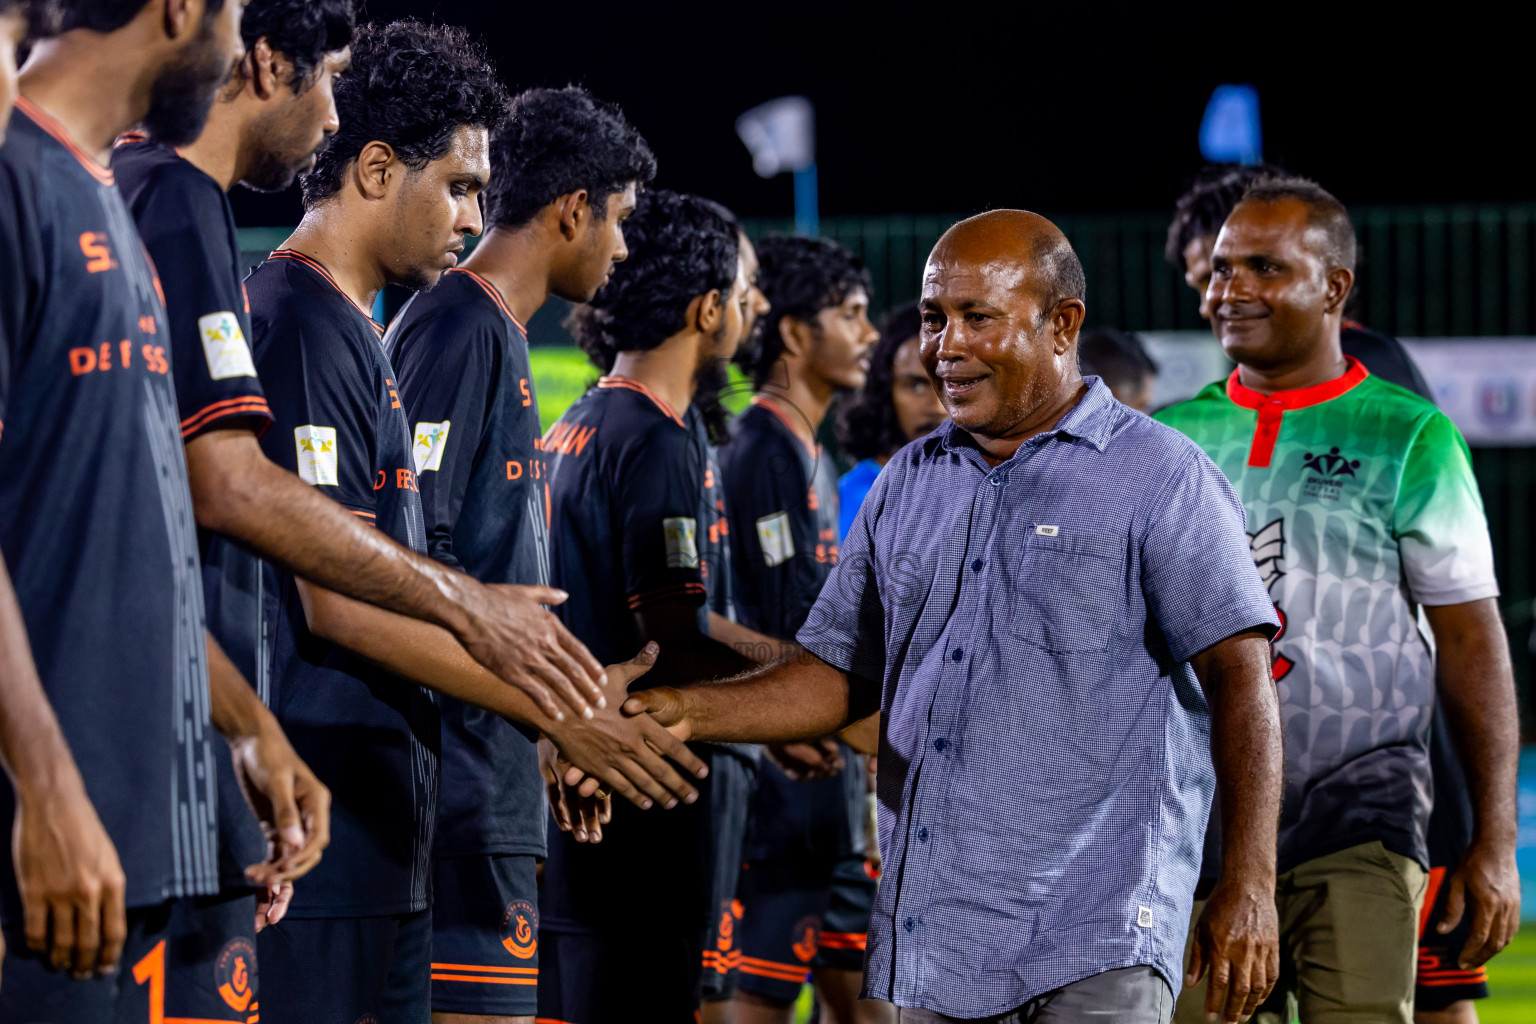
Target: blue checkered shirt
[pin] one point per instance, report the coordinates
(1045, 765)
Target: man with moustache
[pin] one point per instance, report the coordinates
(1045, 548)
(1363, 511)
(96, 526)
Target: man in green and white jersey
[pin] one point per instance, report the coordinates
(1362, 510)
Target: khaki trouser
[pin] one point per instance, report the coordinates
(1349, 929)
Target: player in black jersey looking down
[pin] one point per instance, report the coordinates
(565, 169)
(390, 201)
(98, 536)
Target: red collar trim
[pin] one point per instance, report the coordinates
(616, 381)
(764, 402)
(319, 268)
(61, 136)
(494, 293)
(1300, 398)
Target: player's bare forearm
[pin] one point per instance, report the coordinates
(1245, 746)
(1478, 688)
(802, 699)
(32, 747)
(237, 491)
(687, 654)
(604, 743)
(233, 707)
(756, 647)
(1477, 685)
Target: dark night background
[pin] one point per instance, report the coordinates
(957, 107)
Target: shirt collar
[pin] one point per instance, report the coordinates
(1299, 398)
(1092, 420)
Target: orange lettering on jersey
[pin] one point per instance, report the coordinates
(812, 502)
(104, 360)
(97, 256)
(828, 534)
(394, 399)
(154, 358)
(82, 360)
(514, 470)
(527, 395)
(405, 480)
(147, 324)
(709, 478)
(378, 484)
(714, 533)
(125, 347)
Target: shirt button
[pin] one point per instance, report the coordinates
(976, 565)
(940, 743)
(997, 481)
(909, 924)
(957, 654)
(922, 835)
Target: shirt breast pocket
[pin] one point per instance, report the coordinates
(1068, 589)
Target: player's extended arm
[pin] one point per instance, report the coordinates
(239, 492)
(797, 700)
(687, 654)
(1238, 935)
(628, 756)
(292, 805)
(1478, 687)
(67, 869)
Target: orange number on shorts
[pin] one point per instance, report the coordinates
(151, 969)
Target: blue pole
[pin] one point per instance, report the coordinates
(807, 216)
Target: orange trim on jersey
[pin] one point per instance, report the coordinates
(486, 968)
(843, 940)
(549, 1020)
(1431, 890)
(678, 590)
(245, 405)
(485, 981)
(319, 268)
(200, 1020)
(493, 292)
(129, 137)
(764, 402)
(365, 515)
(635, 385)
(52, 127)
(1272, 408)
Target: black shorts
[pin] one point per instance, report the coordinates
(1440, 981)
(593, 978)
(798, 916)
(191, 958)
(485, 935)
(348, 970)
(730, 797)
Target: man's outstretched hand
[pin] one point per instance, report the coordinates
(627, 753)
(811, 759)
(511, 632)
(1237, 939)
(583, 816)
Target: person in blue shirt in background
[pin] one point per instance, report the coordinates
(897, 404)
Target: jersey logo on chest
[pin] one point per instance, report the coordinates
(1326, 474)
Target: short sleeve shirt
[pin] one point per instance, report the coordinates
(369, 735)
(1361, 505)
(638, 517)
(1045, 764)
(468, 393)
(782, 498)
(95, 517)
(186, 223)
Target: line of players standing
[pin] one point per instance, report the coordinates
(257, 512)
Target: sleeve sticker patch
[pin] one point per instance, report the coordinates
(430, 441)
(224, 345)
(682, 542)
(777, 540)
(317, 454)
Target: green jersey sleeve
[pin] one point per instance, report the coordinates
(1440, 527)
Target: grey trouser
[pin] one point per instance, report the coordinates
(1130, 995)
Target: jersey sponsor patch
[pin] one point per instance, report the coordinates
(317, 454)
(430, 439)
(225, 346)
(778, 542)
(682, 542)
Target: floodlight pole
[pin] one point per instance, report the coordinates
(807, 216)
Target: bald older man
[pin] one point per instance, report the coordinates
(1051, 601)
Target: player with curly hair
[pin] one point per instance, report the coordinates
(805, 893)
(565, 172)
(640, 538)
(389, 202)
